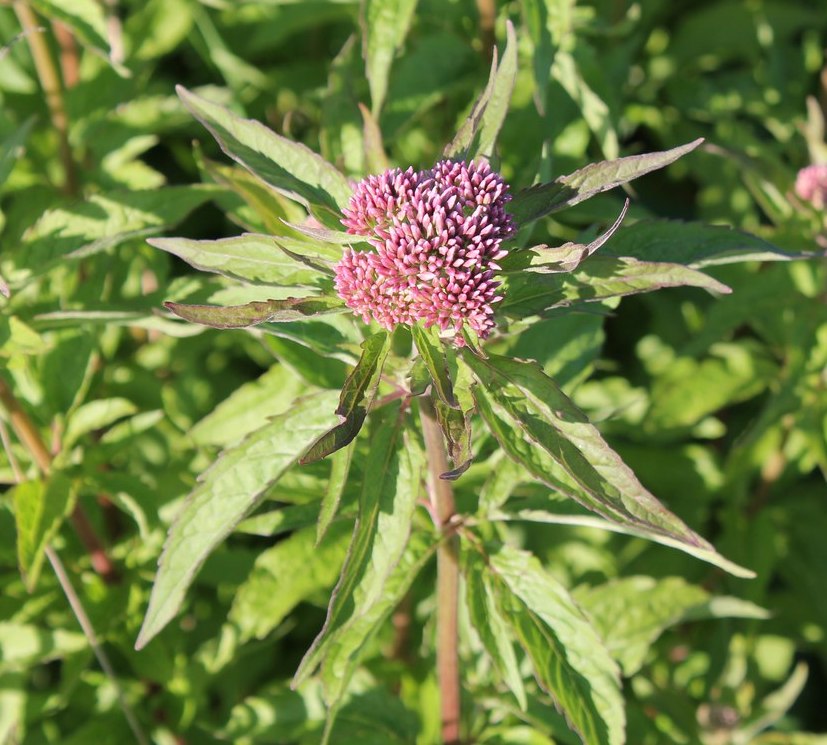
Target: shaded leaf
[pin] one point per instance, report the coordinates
(339, 472)
(541, 428)
(284, 520)
(432, 353)
(289, 166)
(357, 395)
(39, 510)
(226, 493)
(456, 428)
(252, 314)
(10, 151)
(544, 199)
(570, 661)
(478, 134)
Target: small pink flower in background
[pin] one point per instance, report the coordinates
(437, 236)
(811, 185)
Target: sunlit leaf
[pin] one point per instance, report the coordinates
(252, 314)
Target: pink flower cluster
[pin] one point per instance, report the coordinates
(811, 185)
(437, 236)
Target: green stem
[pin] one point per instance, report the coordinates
(443, 510)
(50, 82)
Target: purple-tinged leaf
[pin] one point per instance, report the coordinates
(544, 259)
(544, 199)
(257, 312)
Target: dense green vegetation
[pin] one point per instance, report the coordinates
(113, 409)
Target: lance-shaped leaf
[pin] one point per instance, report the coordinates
(544, 199)
(544, 259)
(39, 510)
(600, 278)
(432, 352)
(478, 134)
(390, 491)
(249, 258)
(456, 428)
(489, 624)
(385, 23)
(288, 166)
(259, 311)
(569, 659)
(357, 395)
(225, 495)
(542, 429)
(339, 471)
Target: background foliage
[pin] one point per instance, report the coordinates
(717, 403)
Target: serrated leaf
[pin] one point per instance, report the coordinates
(257, 312)
(39, 510)
(432, 353)
(478, 134)
(390, 491)
(632, 612)
(283, 576)
(570, 661)
(544, 259)
(250, 258)
(693, 244)
(544, 199)
(357, 395)
(227, 493)
(385, 24)
(600, 278)
(541, 428)
(490, 625)
(88, 24)
(288, 166)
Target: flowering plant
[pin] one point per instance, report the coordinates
(437, 264)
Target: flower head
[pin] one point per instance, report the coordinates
(436, 237)
(811, 185)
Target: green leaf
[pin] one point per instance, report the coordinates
(284, 520)
(88, 24)
(693, 244)
(25, 645)
(456, 428)
(81, 229)
(288, 166)
(93, 416)
(227, 493)
(489, 624)
(39, 510)
(541, 428)
(356, 397)
(432, 353)
(249, 407)
(530, 293)
(566, 258)
(339, 471)
(252, 314)
(369, 583)
(385, 24)
(249, 258)
(632, 612)
(11, 150)
(570, 661)
(544, 199)
(478, 134)
(283, 576)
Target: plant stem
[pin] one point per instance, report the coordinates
(443, 510)
(50, 82)
(488, 15)
(29, 435)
